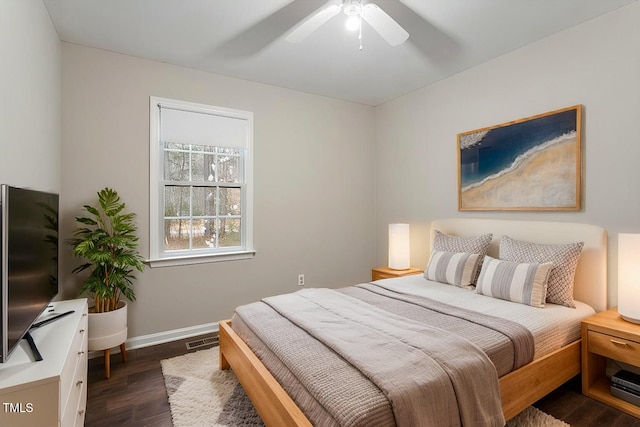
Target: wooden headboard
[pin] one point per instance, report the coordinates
(591, 274)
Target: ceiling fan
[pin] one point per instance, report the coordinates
(357, 11)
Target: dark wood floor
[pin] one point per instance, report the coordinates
(568, 404)
(135, 394)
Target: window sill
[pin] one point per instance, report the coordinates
(199, 259)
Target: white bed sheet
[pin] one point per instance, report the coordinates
(552, 327)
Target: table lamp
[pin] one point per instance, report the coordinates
(629, 277)
(399, 255)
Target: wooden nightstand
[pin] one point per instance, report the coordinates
(606, 335)
(387, 273)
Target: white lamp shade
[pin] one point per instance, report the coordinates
(629, 277)
(399, 255)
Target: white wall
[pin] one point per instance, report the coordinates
(313, 172)
(596, 64)
(30, 99)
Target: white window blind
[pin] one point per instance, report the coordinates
(201, 181)
(202, 128)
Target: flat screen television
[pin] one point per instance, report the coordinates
(29, 261)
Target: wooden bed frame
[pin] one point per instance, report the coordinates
(520, 388)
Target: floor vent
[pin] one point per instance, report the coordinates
(202, 343)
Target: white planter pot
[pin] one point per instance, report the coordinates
(107, 330)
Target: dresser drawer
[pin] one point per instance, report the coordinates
(75, 364)
(82, 409)
(78, 390)
(76, 404)
(614, 347)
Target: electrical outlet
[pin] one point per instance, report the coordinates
(300, 279)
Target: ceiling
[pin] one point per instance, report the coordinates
(245, 38)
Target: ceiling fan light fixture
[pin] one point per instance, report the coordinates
(353, 10)
(356, 12)
(352, 7)
(353, 23)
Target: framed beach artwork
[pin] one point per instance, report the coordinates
(527, 164)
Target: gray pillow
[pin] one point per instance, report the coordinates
(563, 256)
(525, 283)
(452, 268)
(472, 244)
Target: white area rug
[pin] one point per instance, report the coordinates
(202, 395)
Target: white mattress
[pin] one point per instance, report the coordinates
(552, 327)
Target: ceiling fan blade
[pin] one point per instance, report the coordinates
(312, 23)
(389, 29)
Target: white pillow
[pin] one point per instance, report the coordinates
(453, 268)
(525, 283)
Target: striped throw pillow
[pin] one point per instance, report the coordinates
(564, 257)
(453, 268)
(469, 244)
(525, 283)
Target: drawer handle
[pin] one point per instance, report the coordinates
(81, 412)
(619, 343)
(80, 353)
(81, 331)
(79, 383)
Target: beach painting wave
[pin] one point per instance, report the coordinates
(528, 164)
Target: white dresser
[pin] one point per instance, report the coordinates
(52, 392)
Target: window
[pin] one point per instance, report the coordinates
(201, 183)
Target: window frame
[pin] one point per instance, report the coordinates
(158, 257)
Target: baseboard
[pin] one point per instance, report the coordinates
(163, 337)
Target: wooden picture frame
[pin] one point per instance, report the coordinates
(528, 164)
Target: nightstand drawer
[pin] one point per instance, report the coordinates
(614, 347)
(380, 273)
(376, 275)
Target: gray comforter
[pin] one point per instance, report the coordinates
(371, 356)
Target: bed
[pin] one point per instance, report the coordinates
(519, 388)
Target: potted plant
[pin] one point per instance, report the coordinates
(106, 239)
